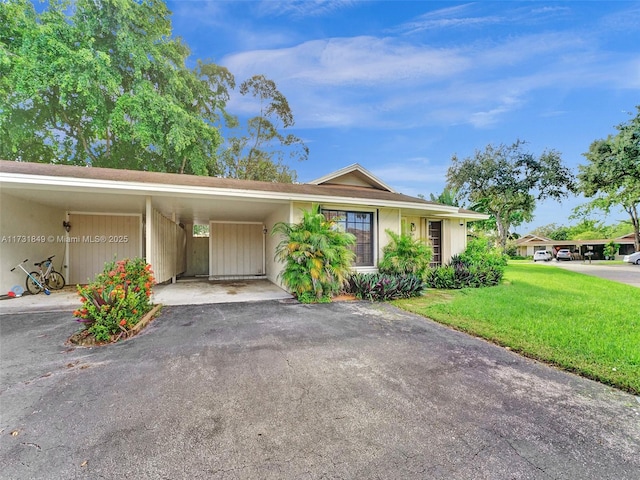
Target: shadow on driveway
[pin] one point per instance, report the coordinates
(275, 390)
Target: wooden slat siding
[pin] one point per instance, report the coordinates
(237, 249)
(86, 259)
(167, 248)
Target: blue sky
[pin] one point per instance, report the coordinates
(399, 87)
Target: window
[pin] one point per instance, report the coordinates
(359, 224)
(201, 230)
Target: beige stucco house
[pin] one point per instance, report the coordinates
(86, 216)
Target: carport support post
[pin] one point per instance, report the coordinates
(148, 240)
(174, 278)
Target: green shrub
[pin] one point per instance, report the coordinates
(463, 276)
(405, 255)
(381, 286)
(480, 251)
(610, 250)
(117, 298)
(316, 255)
(478, 266)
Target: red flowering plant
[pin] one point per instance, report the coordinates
(117, 298)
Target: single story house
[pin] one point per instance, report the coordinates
(528, 244)
(86, 216)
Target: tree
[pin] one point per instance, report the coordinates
(612, 175)
(259, 155)
(103, 83)
(405, 255)
(489, 226)
(316, 255)
(506, 182)
(447, 197)
(552, 231)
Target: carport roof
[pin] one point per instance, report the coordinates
(153, 180)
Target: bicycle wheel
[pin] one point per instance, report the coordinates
(56, 280)
(32, 287)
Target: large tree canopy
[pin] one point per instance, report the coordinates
(104, 83)
(612, 175)
(505, 182)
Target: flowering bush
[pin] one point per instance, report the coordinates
(117, 298)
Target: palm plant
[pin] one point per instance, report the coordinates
(316, 255)
(405, 255)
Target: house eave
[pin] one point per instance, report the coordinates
(89, 185)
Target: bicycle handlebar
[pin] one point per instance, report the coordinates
(24, 261)
(43, 261)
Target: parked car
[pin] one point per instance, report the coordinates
(564, 254)
(542, 256)
(633, 258)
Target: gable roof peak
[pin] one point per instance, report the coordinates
(355, 175)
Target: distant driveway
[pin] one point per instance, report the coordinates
(271, 390)
(623, 273)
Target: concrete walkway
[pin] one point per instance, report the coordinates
(184, 292)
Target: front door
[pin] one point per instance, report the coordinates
(435, 239)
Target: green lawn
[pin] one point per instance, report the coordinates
(583, 324)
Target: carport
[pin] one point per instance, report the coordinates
(86, 221)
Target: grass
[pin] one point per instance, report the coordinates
(582, 324)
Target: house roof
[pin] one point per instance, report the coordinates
(531, 238)
(630, 237)
(150, 182)
(354, 175)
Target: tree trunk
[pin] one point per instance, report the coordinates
(503, 230)
(635, 221)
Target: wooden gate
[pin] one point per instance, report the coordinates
(236, 250)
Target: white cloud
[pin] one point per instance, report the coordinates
(212, 14)
(388, 82)
(446, 18)
(547, 10)
(303, 8)
(357, 60)
(411, 172)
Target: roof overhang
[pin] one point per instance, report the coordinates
(74, 194)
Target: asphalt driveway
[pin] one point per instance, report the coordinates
(280, 390)
(622, 273)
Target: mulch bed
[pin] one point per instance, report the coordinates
(85, 339)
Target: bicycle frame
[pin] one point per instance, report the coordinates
(45, 273)
(45, 289)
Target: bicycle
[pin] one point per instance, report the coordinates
(37, 287)
(49, 277)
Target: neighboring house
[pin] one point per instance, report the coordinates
(111, 213)
(528, 244)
